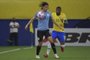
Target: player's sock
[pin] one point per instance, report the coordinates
(48, 51)
(62, 48)
(48, 48)
(54, 48)
(38, 50)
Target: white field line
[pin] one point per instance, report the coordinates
(8, 51)
(14, 50)
(27, 47)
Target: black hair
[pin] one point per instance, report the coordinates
(58, 7)
(59, 10)
(43, 4)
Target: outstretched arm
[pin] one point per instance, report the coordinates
(31, 20)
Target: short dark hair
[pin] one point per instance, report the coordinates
(58, 7)
(43, 4)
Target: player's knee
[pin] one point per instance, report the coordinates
(55, 41)
(50, 39)
(49, 46)
(40, 42)
(63, 45)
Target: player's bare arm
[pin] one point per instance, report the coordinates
(57, 24)
(31, 20)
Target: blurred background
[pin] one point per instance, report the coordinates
(22, 9)
(77, 31)
(77, 12)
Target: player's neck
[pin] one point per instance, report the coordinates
(58, 14)
(44, 10)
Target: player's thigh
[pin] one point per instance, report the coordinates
(61, 37)
(40, 35)
(48, 36)
(54, 35)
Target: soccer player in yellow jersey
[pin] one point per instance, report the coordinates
(58, 27)
(58, 19)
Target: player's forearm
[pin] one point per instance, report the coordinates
(16, 26)
(56, 24)
(30, 22)
(66, 21)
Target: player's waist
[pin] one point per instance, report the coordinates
(43, 30)
(58, 30)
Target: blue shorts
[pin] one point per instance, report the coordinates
(58, 35)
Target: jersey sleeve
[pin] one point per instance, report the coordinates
(17, 24)
(64, 16)
(50, 16)
(53, 15)
(10, 24)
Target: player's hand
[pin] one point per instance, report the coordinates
(61, 27)
(26, 27)
(16, 26)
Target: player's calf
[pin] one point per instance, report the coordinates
(62, 48)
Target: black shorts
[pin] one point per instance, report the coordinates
(43, 33)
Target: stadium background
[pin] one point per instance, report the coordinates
(77, 11)
(74, 9)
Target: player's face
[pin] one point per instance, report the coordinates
(45, 8)
(13, 19)
(58, 10)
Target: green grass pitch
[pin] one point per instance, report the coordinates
(27, 53)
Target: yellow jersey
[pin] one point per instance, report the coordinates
(31, 28)
(59, 20)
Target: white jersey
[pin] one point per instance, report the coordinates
(14, 27)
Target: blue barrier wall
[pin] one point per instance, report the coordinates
(26, 38)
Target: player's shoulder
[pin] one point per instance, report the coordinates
(53, 13)
(48, 12)
(38, 11)
(11, 22)
(63, 14)
(16, 22)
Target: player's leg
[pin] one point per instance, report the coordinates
(16, 39)
(10, 39)
(51, 38)
(38, 48)
(46, 33)
(61, 40)
(48, 49)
